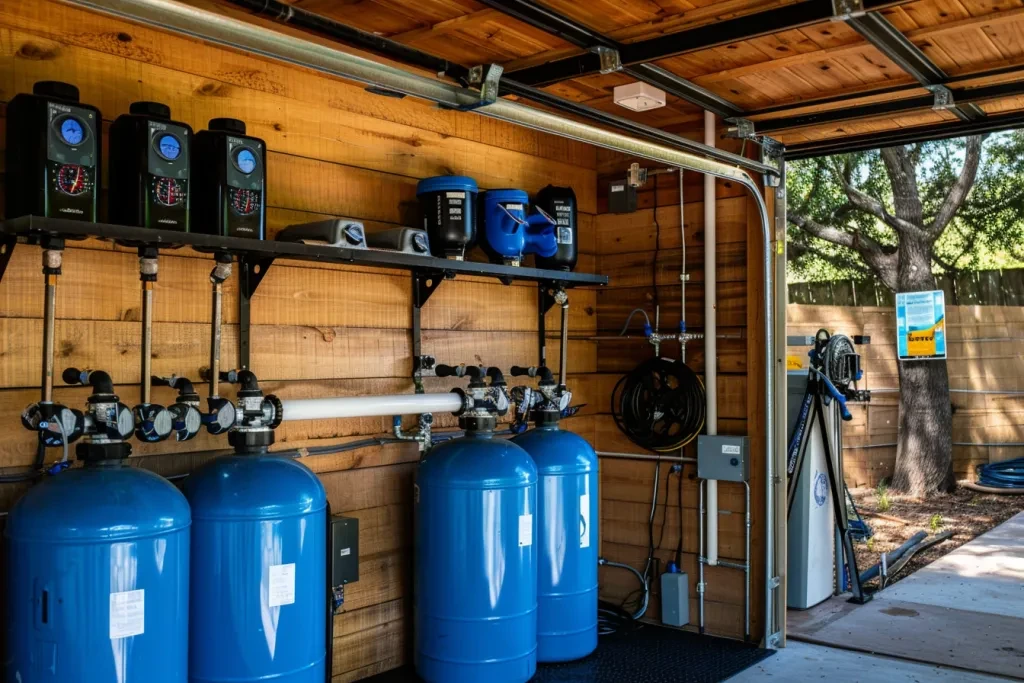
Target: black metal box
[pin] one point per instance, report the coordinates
(344, 550)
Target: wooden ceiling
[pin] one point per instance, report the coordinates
(792, 72)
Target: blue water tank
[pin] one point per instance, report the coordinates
(567, 540)
(476, 562)
(97, 590)
(259, 571)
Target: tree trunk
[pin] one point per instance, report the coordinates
(924, 454)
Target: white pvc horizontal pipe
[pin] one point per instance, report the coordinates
(369, 406)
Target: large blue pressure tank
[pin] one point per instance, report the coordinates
(259, 571)
(567, 539)
(476, 562)
(98, 567)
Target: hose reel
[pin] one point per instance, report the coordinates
(659, 405)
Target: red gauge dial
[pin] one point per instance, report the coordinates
(245, 202)
(73, 179)
(168, 191)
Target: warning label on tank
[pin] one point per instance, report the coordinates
(282, 585)
(127, 614)
(585, 520)
(525, 530)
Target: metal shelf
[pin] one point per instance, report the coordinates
(256, 256)
(263, 253)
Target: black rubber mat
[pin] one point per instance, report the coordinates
(647, 655)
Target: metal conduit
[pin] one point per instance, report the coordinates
(220, 30)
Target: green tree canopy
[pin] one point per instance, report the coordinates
(987, 230)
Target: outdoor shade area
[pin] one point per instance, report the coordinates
(499, 341)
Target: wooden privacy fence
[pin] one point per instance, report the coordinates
(986, 376)
(978, 287)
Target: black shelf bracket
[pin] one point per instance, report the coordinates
(251, 271)
(425, 283)
(6, 252)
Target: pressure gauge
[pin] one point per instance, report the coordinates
(72, 131)
(168, 191)
(73, 180)
(168, 146)
(245, 202)
(245, 160)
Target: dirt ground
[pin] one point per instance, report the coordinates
(965, 512)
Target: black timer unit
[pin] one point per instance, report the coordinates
(229, 181)
(149, 168)
(53, 154)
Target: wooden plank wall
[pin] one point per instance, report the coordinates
(334, 150)
(642, 254)
(985, 355)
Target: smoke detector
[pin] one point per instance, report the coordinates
(639, 96)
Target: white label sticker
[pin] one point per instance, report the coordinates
(345, 552)
(455, 195)
(282, 585)
(565, 235)
(618, 188)
(585, 520)
(525, 530)
(127, 614)
(730, 449)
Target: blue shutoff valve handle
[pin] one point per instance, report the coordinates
(837, 395)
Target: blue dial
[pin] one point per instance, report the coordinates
(245, 160)
(72, 131)
(169, 146)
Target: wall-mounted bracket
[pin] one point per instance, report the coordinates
(424, 283)
(487, 79)
(251, 271)
(942, 97)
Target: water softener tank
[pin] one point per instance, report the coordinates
(560, 204)
(476, 560)
(98, 570)
(53, 154)
(149, 168)
(567, 539)
(259, 563)
(509, 232)
(448, 214)
(229, 175)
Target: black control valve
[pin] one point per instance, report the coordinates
(55, 423)
(186, 418)
(106, 417)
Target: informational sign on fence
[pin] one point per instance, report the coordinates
(921, 325)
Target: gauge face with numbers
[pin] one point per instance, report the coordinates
(245, 160)
(73, 179)
(245, 202)
(168, 191)
(168, 146)
(72, 131)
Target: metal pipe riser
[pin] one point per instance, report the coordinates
(52, 262)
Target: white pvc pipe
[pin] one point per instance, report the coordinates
(710, 338)
(369, 406)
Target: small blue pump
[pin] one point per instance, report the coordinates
(509, 232)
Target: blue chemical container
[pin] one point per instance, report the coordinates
(567, 540)
(476, 562)
(98, 579)
(509, 233)
(259, 571)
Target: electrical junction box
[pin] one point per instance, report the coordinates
(723, 458)
(621, 197)
(675, 599)
(639, 96)
(344, 550)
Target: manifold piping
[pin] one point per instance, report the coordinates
(217, 29)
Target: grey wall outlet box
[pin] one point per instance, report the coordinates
(344, 550)
(675, 599)
(723, 458)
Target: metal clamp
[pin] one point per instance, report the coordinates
(740, 128)
(844, 10)
(609, 58)
(943, 97)
(486, 79)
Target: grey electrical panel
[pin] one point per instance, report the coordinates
(675, 599)
(723, 458)
(344, 550)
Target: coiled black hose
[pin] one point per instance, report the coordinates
(660, 405)
(1008, 474)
